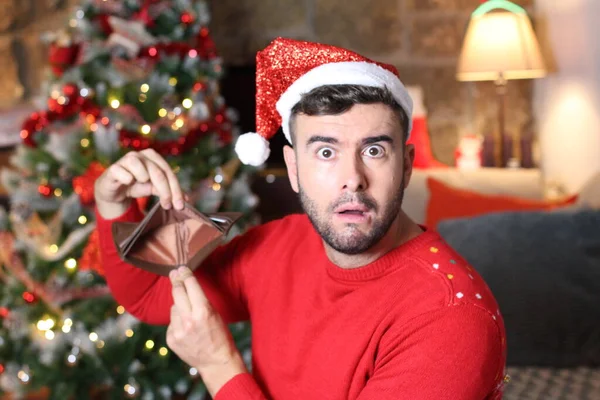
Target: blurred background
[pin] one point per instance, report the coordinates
(507, 136)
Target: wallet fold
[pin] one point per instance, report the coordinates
(167, 239)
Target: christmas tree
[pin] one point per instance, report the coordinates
(124, 75)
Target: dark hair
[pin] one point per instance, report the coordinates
(337, 99)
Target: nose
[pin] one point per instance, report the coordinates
(353, 176)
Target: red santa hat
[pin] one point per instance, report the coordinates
(286, 69)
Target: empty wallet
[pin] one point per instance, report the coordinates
(167, 239)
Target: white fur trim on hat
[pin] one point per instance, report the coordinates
(252, 149)
(342, 73)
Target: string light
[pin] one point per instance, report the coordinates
(218, 178)
(172, 81)
(187, 103)
(23, 376)
(162, 113)
(82, 219)
(129, 333)
(145, 129)
(163, 351)
(61, 100)
(149, 344)
(71, 359)
(45, 324)
(85, 142)
(49, 335)
(93, 336)
(71, 264)
(114, 103)
(93, 127)
(84, 92)
(53, 248)
(142, 98)
(179, 122)
(120, 310)
(67, 324)
(193, 371)
(100, 344)
(216, 186)
(58, 192)
(144, 88)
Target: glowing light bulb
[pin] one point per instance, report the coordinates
(145, 129)
(71, 264)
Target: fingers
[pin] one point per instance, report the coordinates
(120, 175)
(180, 296)
(176, 192)
(135, 167)
(195, 294)
(160, 184)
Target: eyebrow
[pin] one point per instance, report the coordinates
(364, 142)
(324, 139)
(376, 139)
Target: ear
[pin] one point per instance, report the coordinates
(409, 158)
(289, 155)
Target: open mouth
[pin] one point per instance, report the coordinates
(351, 212)
(351, 208)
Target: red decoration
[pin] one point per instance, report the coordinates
(90, 259)
(187, 18)
(74, 103)
(84, 184)
(4, 312)
(102, 21)
(45, 190)
(1, 368)
(206, 46)
(28, 297)
(61, 58)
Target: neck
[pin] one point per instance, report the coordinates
(402, 230)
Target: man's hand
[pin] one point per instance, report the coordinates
(198, 335)
(136, 174)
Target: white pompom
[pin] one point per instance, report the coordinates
(252, 149)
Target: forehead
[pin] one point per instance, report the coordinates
(361, 120)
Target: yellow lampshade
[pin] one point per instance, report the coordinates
(500, 44)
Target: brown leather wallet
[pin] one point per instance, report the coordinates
(167, 239)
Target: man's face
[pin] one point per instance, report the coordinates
(350, 171)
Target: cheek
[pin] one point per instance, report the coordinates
(317, 181)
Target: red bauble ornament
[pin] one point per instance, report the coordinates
(84, 184)
(4, 312)
(187, 18)
(28, 297)
(45, 190)
(61, 58)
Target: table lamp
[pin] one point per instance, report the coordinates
(499, 46)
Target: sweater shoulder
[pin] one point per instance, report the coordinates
(455, 281)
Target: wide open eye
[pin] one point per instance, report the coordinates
(325, 153)
(374, 151)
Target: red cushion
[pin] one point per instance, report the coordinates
(450, 202)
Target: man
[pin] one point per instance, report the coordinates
(352, 300)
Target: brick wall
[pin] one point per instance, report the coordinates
(421, 37)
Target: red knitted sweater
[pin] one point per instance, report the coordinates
(418, 323)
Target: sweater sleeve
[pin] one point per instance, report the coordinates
(240, 387)
(147, 296)
(455, 353)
